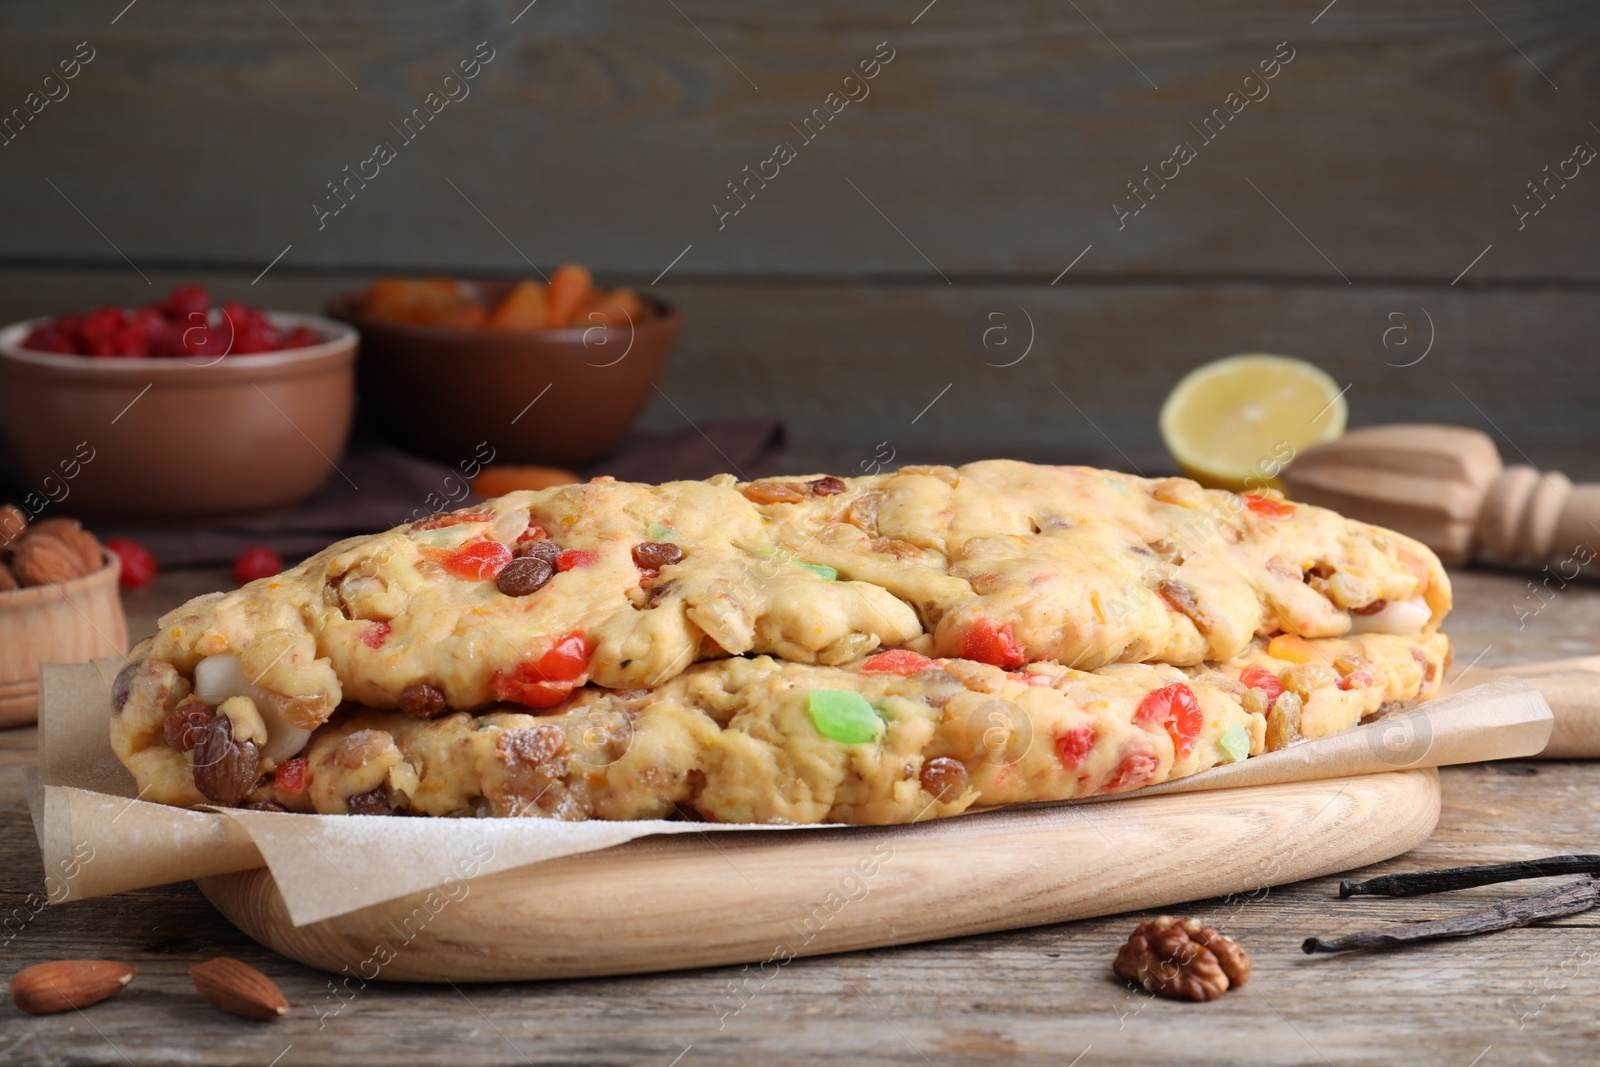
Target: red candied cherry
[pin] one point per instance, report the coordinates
(257, 561)
(552, 679)
(451, 518)
(576, 557)
(1175, 707)
(996, 645)
(1268, 507)
(290, 775)
(1074, 746)
(1135, 770)
(138, 565)
(1256, 676)
(376, 635)
(899, 661)
(1357, 679)
(481, 561)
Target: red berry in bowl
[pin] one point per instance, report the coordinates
(257, 561)
(182, 325)
(302, 337)
(184, 301)
(138, 565)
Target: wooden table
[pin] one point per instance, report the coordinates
(1043, 995)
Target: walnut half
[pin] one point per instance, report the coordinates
(1182, 959)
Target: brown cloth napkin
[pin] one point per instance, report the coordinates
(386, 487)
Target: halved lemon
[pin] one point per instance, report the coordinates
(1237, 422)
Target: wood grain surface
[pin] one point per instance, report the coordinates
(861, 372)
(665, 903)
(997, 139)
(1361, 214)
(1033, 996)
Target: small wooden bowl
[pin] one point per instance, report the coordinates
(554, 397)
(68, 622)
(173, 439)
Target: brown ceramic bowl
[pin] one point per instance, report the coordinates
(556, 397)
(179, 438)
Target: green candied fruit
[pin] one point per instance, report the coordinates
(843, 715)
(826, 573)
(1235, 743)
(657, 532)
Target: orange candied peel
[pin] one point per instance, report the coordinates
(1294, 648)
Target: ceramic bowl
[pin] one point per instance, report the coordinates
(175, 439)
(555, 397)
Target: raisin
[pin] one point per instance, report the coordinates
(373, 803)
(1169, 552)
(264, 805)
(653, 555)
(661, 592)
(773, 493)
(527, 575)
(863, 514)
(123, 685)
(1372, 608)
(1283, 721)
(944, 778)
(532, 746)
(545, 550)
(422, 701)
(938, 686)
(361, 748)
(828, 486)
(1181, 599)
(225, 770)
(893, 546)
(183, 725)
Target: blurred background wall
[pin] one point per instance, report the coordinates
(998, 223)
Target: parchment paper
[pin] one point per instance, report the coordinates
(98, 837)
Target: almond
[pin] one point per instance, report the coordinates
(13, 524)
(239, 988)
(65, 984)
(72, 534)
(8, 580)
(44, 560)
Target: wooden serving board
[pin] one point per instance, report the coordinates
(1572, 689)
(668, 903)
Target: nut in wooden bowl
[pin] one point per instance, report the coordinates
(71, 533)
(13, 524)
(40, 559)
(58, 604)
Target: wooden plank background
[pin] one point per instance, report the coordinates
(1384, 160)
